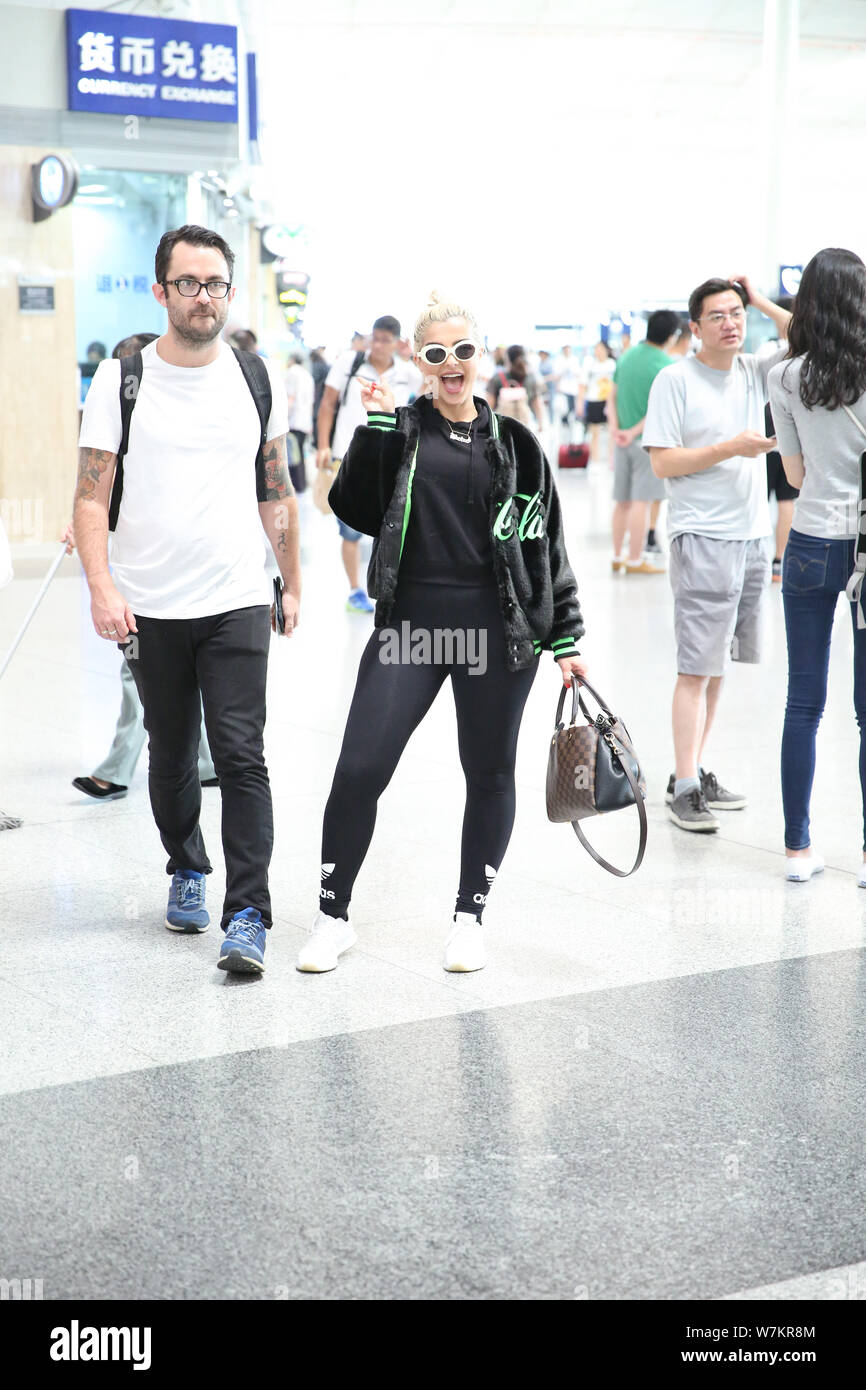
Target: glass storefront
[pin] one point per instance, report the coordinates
(118, 218)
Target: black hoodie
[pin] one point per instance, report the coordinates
(448, 535)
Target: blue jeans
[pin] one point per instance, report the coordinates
(814, 573)
(348, 533)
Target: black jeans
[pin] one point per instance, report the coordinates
(221, 661)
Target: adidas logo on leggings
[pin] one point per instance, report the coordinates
(489, 874)
(327, 870)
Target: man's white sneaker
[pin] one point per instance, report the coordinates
(464, 949)
(801, 869)
(329, 937)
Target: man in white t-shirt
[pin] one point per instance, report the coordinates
(205, 487)
(704, 430)
(299, 390)
(341, 412)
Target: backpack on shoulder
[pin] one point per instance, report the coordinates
(255, 375)
(359, 358)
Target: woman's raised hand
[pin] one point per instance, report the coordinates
(376, 397)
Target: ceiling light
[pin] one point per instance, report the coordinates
(93, 188)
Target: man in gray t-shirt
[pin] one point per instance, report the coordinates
(704, 430)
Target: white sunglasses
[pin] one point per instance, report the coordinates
(434, 354)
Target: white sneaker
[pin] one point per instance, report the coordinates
(329, 937)
(464, 949)
(861, 877)
(801, 870)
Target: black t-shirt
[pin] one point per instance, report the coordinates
(448, 536)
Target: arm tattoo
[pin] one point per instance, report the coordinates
(278, 484)
(92, 463)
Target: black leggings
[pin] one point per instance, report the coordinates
(392, 695)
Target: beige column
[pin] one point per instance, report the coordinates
(38, 402)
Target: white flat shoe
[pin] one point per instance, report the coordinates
(464, 949)
(329, 937)
(800, 870)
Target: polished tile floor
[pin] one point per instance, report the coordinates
(655, 1089)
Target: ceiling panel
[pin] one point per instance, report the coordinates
(613, 148)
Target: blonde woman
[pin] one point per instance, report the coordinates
(472, 581)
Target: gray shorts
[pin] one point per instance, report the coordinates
(633, 477)
(718, 595)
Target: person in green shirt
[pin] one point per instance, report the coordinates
(635, 486)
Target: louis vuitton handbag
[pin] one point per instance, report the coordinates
(592, 769)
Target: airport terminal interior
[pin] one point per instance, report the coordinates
(653, 1091)
(650, 1092)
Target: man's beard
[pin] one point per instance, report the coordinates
(200, 328)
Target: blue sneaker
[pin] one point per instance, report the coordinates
(243, 951)
(186, 910)
(359, 602)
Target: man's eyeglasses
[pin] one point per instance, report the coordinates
(434, 354)
(217, 289)
(736, 316)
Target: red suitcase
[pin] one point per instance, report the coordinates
(573, 455)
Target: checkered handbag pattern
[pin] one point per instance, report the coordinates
(571, 772)
(593, 768)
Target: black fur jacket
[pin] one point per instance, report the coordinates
(537, 589)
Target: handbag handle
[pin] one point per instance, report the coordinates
(577, 700)
(577, 703)
(641, 811)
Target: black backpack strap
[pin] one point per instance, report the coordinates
(257, 379)
(130, 381)
(359, 357)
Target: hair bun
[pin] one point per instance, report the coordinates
(438, 309)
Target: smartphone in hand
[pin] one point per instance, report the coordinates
(279, 615)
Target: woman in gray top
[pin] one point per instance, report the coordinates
(818, 400)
